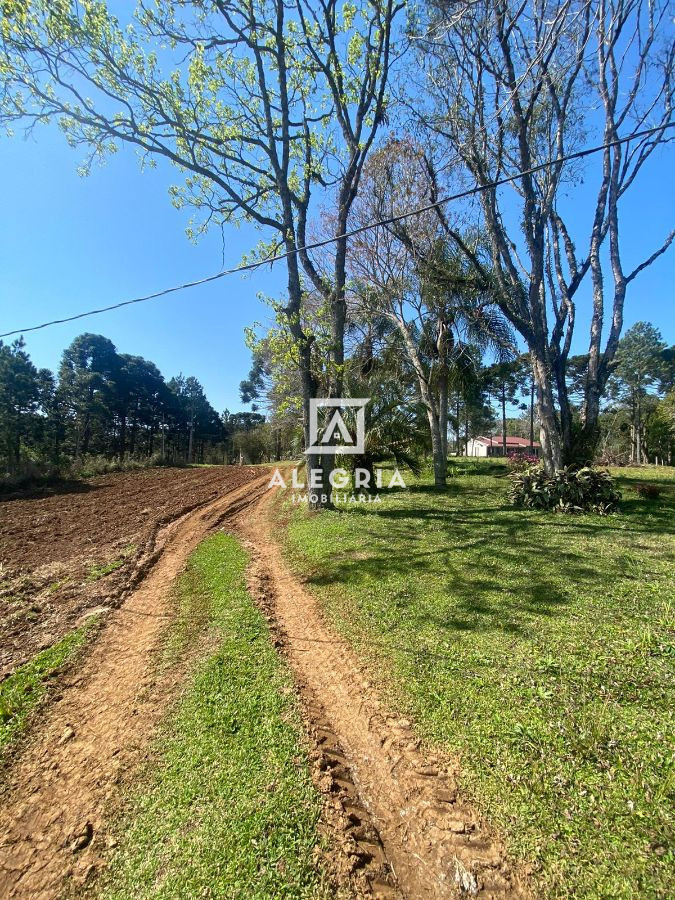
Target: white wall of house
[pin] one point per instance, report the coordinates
(478, 448)
(474, 448)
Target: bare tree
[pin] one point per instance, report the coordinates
(357, 80)
(513, 85)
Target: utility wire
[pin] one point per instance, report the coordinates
(249, 267)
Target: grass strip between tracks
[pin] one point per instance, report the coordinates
(21, 691)
(226, 806)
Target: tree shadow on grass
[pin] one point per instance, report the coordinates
(638, 514)
(489, 567)
(656, 515)
(462, 560)
(465, 597)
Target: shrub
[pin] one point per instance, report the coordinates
(649, 491)
(30, 473)
(569, 490)
(613, 458)
(42, 474)
(519, 460)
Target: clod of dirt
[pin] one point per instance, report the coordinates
(83, 839)
(464, 880)
(91, 613)
(68, 734)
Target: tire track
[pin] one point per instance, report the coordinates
(407, 830)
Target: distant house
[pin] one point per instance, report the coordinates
(494, 446)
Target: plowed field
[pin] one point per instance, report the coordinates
(68, 551)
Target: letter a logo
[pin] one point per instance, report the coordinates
(329, 443)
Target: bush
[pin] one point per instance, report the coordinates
(31, 474)
(518, 460)
(42, 474)
(569, 490)
(613, 458)
(649, 491)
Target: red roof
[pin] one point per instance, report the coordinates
(510, 442)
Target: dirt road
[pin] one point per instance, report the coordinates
(418, 838)
(396, 823)
(52, 806)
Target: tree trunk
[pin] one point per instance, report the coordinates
(132, 442)
(313, 461)
(190, 441)
(440, 462)
(443, 414)
(15, 450)
(551, 444)
(86, 435)
(123, 435)
(457, 431)
(504, 418)
(365, 461)
(339, 309)
(571, 452)
(83, 448)
(439, 459)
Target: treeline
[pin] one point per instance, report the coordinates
(103, 407)
(637, 415)
(637, 422)
(466, 397)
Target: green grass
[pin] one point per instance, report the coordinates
(100, 570)
(21, 691)
(226, 807)
(538, 646)
(56, 586)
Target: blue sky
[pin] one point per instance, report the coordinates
(69, 243)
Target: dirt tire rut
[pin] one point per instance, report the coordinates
(412, 834)
(397, 826)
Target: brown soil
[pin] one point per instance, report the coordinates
(54, 545)
(405, 828)
(52, 805)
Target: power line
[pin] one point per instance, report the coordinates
(249, 267)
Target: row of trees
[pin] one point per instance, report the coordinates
(636, 422)
(267, 106)
(116, 405)
(109, 404)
